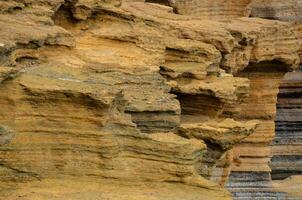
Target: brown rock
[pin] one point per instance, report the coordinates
(212, 9)
(128, 95)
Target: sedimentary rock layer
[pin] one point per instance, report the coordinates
(215, 9)
(276, 9)
(250, 171)
(290, 186)
(287, 155)
(130, 93)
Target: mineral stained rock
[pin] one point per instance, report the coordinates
(127, 99)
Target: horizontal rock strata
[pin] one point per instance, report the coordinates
(250, 171)
(286, 160)
(131, 95)
(215, 9)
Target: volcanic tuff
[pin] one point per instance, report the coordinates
(126, 99)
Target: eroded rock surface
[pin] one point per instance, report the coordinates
(131, 95)
(286, 160)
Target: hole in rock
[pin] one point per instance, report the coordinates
(26, 60)
(201, 106)
(267, 67)
(210, 162)
(63, 16)
(14, 9)
(162, 2)
(155, 121)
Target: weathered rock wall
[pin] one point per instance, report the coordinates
(286, 150)
(129, 95)
(289, 11)
(286, 147)
(251, 158)
(215, 9)
(250, 175)
(276, 9)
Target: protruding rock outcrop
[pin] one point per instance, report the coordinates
(129, 93)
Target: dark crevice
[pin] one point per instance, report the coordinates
(162, 2)
(199, 105)
(268, 66)
(21, 172)
(64, 16)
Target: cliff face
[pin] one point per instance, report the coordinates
(138, 100)
(286, 146)
(286, 160)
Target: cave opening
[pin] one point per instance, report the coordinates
(196, 108)
(274, 66)
(63, 16)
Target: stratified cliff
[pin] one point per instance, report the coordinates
(125, 99)
(286, 147)
(286, 160)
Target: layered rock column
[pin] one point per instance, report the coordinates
(286, 146)
(250, 175)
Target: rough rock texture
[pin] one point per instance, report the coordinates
(250, 166)
(250, 177)
(219, 137)
(225, 10)
(276, 9)
(251, 172)
(290, 11)
(291, 187)
(99, 95)
(212, 9)
(287, 155)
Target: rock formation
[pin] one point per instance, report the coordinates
(126, 99)
(215, 9)
(276, 9)
(287, 155)
(286, 146)
(251, 172)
